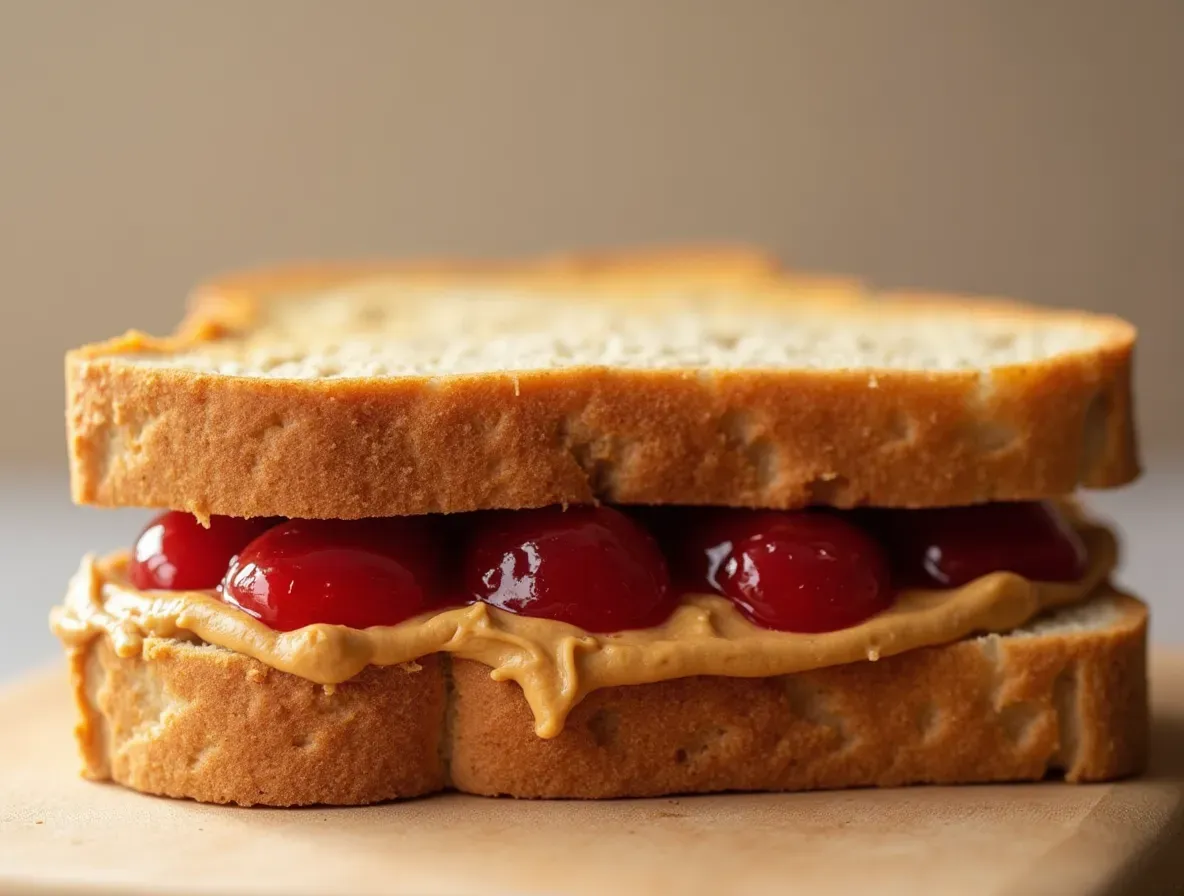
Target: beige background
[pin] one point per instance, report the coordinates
(1028, 148)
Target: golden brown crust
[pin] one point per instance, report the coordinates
(172, 438)
(256, 448)
(215, 726)
(192, 721)
(344, 449)
(995, 709)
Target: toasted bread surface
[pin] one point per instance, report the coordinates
(1067, 693)
(998, 708)
(352, 392)
(193, 721)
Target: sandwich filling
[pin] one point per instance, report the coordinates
(564, 603)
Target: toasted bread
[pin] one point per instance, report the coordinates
(378, 391)
(1064, 695)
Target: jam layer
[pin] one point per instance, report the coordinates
(556, 663)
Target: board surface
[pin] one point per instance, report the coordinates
(61, 834)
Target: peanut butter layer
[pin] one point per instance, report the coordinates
(557, 664)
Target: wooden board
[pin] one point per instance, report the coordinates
(61, 834)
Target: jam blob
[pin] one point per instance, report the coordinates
(177, 553)
(948, 547)
(592, 567)
(801, 571)
(601, 569)
(358, 573)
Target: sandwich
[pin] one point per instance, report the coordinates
(601, 526)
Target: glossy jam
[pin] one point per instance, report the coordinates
(593, 567)
(357, 573)
(175, 552)
(599, 568)
(802, 571)
(948, 547)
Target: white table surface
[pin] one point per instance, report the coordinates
(42, 537)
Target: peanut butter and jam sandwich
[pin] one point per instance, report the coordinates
(601, 526)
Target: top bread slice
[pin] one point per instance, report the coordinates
(679, 377)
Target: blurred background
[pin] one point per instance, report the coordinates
(1000, 146)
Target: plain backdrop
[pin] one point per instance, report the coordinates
(1033, 149)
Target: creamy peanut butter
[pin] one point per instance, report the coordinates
(557, 664)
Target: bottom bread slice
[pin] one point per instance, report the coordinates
(1067, 694)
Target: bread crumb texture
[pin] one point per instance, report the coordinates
(381, 396)
(1066, 695)
(383, 328)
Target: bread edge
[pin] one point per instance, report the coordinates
(778, 439)
(200, 722)
(220, 445)
(184, 720)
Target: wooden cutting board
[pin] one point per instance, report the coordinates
(61, 834)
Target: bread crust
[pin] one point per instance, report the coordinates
(200, 722)
(184, 720)
(211, 444)
(992, 709)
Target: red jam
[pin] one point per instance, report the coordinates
(175, 552)
(598, 568)
(948, 547)
(592, 567)
(358, 573)
(803, 571)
